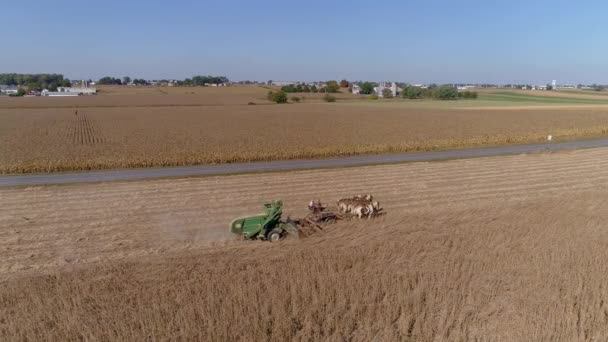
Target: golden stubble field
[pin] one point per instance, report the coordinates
(507, 248)
(146, 127)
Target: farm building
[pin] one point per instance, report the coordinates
(356, 89)
(8, 89)
(46, 92)
(69, 91)
(77, 90)
(84, 89)
(385, 85)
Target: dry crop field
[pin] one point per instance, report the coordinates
(145, 127)
(506, 248)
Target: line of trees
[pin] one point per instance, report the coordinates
(330, 87)
(35, 81)
(299, 88)
(202, 80)
(194, 81)
(109, 81)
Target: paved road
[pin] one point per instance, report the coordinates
(205, 170)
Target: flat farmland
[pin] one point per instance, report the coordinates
(148, 127)
(506, 248)
(128, 97)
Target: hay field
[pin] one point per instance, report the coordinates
(215, 125)
(505, 249)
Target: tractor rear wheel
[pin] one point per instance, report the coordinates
(274, 235)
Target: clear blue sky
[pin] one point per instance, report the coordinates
(412, 41)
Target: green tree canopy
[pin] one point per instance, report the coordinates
(445, 92)
(366, 88)
(36, 81)
(279, 97)
(332, 87)
(109, 81)
(202, 80)
(411, 92)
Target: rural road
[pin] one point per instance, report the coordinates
(223, 169)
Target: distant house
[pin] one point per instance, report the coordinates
(385, 85)
(356, 89)
(8, 89)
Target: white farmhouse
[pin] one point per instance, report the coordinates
(385, 85)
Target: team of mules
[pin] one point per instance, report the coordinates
(360, 206)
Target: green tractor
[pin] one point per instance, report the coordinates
(265, 226)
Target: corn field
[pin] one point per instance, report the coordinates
(148, 130)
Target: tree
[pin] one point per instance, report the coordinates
(332, 87)
(445, 92)
(109, 80)
(290, 88)
(549, 87)
(279, 97)
(366, 88)
(344, 84)
(314, 89)
(411, 92)
(33, 86)
(126, 80)
(387, 93)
